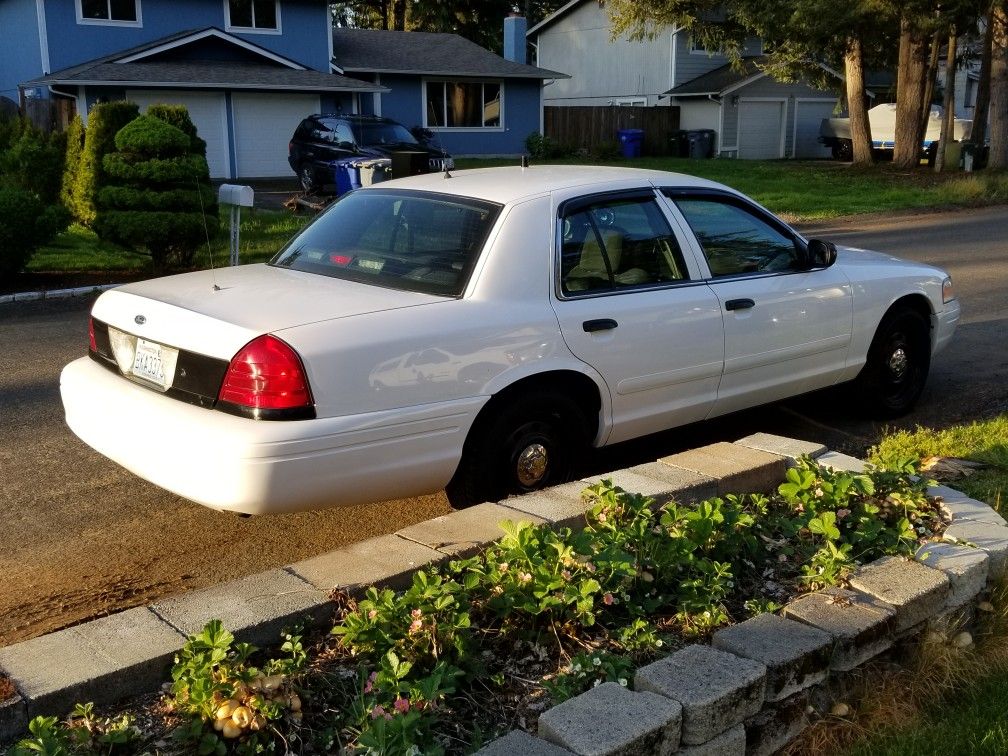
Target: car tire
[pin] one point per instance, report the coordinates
(529, 443)
(306, 175)
(898, 363)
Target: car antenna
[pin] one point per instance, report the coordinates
(213, 273)
(444, 162)
(524, 162)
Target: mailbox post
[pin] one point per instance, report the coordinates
(237, 197)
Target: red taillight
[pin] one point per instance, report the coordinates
(266, 374)
(90, 333)
(342, 260)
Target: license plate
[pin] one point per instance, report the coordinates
(154, 363)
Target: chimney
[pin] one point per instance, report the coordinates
(515, 27)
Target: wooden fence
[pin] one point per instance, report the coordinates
(49, 115)
(588, 127)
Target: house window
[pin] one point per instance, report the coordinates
(253, 15)
(118, 12)
(463, 105)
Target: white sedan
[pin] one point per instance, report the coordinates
(479, 332)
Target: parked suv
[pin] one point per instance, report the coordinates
(320, 139)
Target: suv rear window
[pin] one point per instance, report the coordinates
(416, 241)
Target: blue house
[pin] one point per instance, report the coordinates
(248, 71)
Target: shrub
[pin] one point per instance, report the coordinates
(71, 161)
(104, 122)
(25, 224)
(151, 137)
(542, 147)
(156, 193)
(33, 161)
(178, 116)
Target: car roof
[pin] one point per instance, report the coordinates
(513, 183)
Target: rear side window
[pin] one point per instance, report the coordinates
(417, 241)
(615, 243)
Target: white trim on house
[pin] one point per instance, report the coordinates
(190, 38)
(558, 12)
(228, 26)
(794, 124)
(202, 85)
(542, 111)
(43, 35)
(108, 21)
(377, 97)
(783, 120)
(744, 83)
(674, 48)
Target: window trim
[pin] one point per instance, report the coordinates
(747, 205)
(462, 129)
(138, 24)
(229, 27)
(649, 193)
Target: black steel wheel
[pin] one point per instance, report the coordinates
(526, 444)
(898, 363)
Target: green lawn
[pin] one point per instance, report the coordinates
(974, 721)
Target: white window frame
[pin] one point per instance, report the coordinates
(228, 26)
(632, 102)
(108, 21)
(693, 49)
(462, 129)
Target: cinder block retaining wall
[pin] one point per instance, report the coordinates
(746, 693)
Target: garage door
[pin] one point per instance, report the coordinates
(264, 124)
(761, 125)
(808, 117)
(206, 109)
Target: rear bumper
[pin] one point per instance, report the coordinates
(261, 467)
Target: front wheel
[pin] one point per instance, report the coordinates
(898, 363)
(530, 443)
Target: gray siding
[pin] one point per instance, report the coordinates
(689, 65)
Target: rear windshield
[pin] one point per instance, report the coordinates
(415, 241)
(379, 134)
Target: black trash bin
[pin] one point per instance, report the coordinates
(700, 144)
(679, 143)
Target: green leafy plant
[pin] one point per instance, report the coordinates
(586, 671)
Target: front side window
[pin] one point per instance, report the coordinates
(260, 15)
(108, 11)
(415, 241)
(735, 239)
(615, 243)
(463, 105)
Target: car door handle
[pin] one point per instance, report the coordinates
(603, 324)
(739, 304)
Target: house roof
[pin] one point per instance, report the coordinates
(720, 79)
(140, 66)
(440, 54)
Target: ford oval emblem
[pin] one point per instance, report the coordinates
(139, 320)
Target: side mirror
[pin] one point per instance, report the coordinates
(821, 254)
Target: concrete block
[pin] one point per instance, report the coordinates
(717, 690)
(29, 296)
(104, 661)
(520, 742)
(561, 506)
(255, 608)
(776, 726)
(789, 448)
(795, 655)
(610, 720)
(959, 506)
(737, 469)
(466, 531)
(991, 538)
(841, 462)
(966, 568)
(385, 561)
(860, 626)
(632, 481)
(729, 743)
(916, 592)
(684, 486)
(13, 719)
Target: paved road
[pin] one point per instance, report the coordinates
(79, 537)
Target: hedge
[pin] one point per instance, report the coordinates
(151, 137)
(33, 161)
(131, 198)
(171, 237)
(25, 224)
(104, 122)
(178, 116)
(129, 168)
(71, 161)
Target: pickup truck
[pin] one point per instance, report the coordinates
(835, 132)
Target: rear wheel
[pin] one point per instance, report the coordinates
(306, 175)
(530, 443)
(898, 363)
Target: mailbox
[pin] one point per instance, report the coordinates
(235, 194)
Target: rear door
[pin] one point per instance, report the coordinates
(787, 329)
(633, 306)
